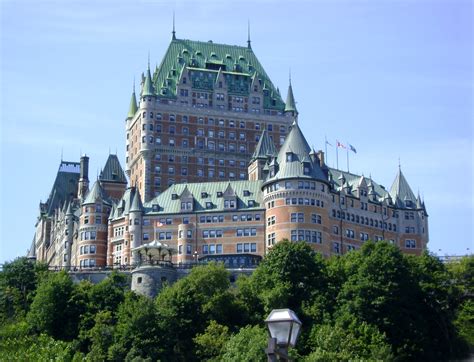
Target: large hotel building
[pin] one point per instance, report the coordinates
(218, 169)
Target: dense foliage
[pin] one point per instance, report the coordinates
(370, 304)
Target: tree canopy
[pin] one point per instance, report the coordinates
(370, 304)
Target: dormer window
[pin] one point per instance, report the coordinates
(174, 196)
(289, 156)
(186, 205)
(246, 193)
(208, 205)
(306, 169)
(251, 203)
(229, 204)
(219, 193)
(203, 195)
(155, 207)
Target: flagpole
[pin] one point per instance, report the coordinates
(326, 149)
(347, 151)
(337, 156)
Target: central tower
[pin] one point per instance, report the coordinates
(200, 115)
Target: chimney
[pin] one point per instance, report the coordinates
(83, 186)
(321, 158)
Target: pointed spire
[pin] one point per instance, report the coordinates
(401, 191)
(265, 147)
(136, 204)
(133, 104)
(249, 46)
(69, 209)
(174, 31)
(290, 105)
(148, 86)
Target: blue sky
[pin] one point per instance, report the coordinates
(393, 78)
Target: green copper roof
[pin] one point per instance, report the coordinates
(96, 194)
(339, 178)
(265, 147)
(208, 192)
(401, 191)
(238, 64)
(113, 171)
(136, 205)
(290, 105)
(293, 157)
(133, 105)
(148, 89)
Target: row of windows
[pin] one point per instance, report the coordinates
(304, 201)
(87, 263)
(212, 233)
(87, 249)
(246, 247)
(96, 208)
(189, 234)
(212, 249)
(292, 185)
(202, 161)
(299, 217)
(97, 219)
(246, 232)
(220, 122)
(311, 236)
(88, 235)
(363, 220)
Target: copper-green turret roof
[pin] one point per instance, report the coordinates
(148, 89)
(96, 194)
(290, 105)
(136, 205)
(265, 147)
(113, 171)
(204, 60)
(293, 159)
(401, 191)
(133, 105)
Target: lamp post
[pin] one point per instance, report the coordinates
(196, 257)
(284, 328)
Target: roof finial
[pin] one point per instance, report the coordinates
(148, 59)
(174, 31)
(289, 75)
(61, 154)
(133, 84)
(399, 165)
(248, 35)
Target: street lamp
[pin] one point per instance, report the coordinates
(284, 327)
(196, 257)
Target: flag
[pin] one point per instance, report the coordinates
(352, 148)
(328, 143)
(341, 145)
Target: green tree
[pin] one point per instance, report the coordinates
(52, 311)
(18, 282)
(137, 333)
(186, 307)
(247, 345)
(34, 348)
(101, 336)
(353, 341)
(289, 275)
(464, 321)
(209, 345)
(92, 299)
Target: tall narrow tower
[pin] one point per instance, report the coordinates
(83, 185)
